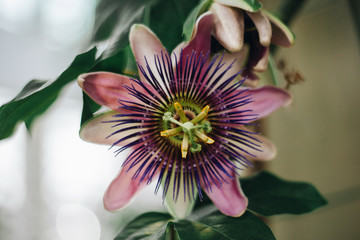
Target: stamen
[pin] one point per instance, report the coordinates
(180, 111)
(184, 146)
(203, 137)
(171, 132)
(201, 115)
(189, 129)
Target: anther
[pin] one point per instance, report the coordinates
(180, 111)
(201, 115)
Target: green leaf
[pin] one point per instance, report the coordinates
(247, 5)
(191, 19)
(37, 96)
(108, 17)
(212, 225)
(166, 19)
(115, 63)
(30, 88)
(89, 108)
(114, 19)
(151, 225)
(216, 226)
(269, 195)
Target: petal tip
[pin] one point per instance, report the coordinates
(81, 80)
(113, 205)
(288, 100)
(271, 152)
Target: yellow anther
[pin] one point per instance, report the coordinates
(203, 137)
(201, 115)
(180, 111)
(184, 146)
(170, 132)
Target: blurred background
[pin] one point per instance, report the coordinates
(52, 182)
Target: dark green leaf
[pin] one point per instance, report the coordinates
(166, 19)
(115, 63)
(113, 21)
(89, 108)
(247, 5)
(191, 19)
(30, 88)
(206, 201)
(151, 225)
(37, 96)
(108, 16)
(269, 195)
(216, 226)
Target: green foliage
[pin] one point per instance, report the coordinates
(151, 225)
(113, 21)
(215, 226)
(247, 5)
(165, 17)
(269, 195)
(37, 96)
(211, 226)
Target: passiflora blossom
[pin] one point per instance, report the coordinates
(239, 24)
(184, 121)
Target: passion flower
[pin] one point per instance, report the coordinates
(183, 120)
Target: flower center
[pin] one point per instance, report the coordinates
(191, 130)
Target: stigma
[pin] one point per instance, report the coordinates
(191, 130)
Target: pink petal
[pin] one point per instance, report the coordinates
(266, 100)
(281, 34)
(229, 198)
(263, 27)
(267, 148)
(123, 189)
(145, 45)
(106, 88)
(200, 41)
(98, 129)
(229, 26)
(237, 59)
(201, 37)
(95, 130)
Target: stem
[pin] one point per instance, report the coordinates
(273, 71)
